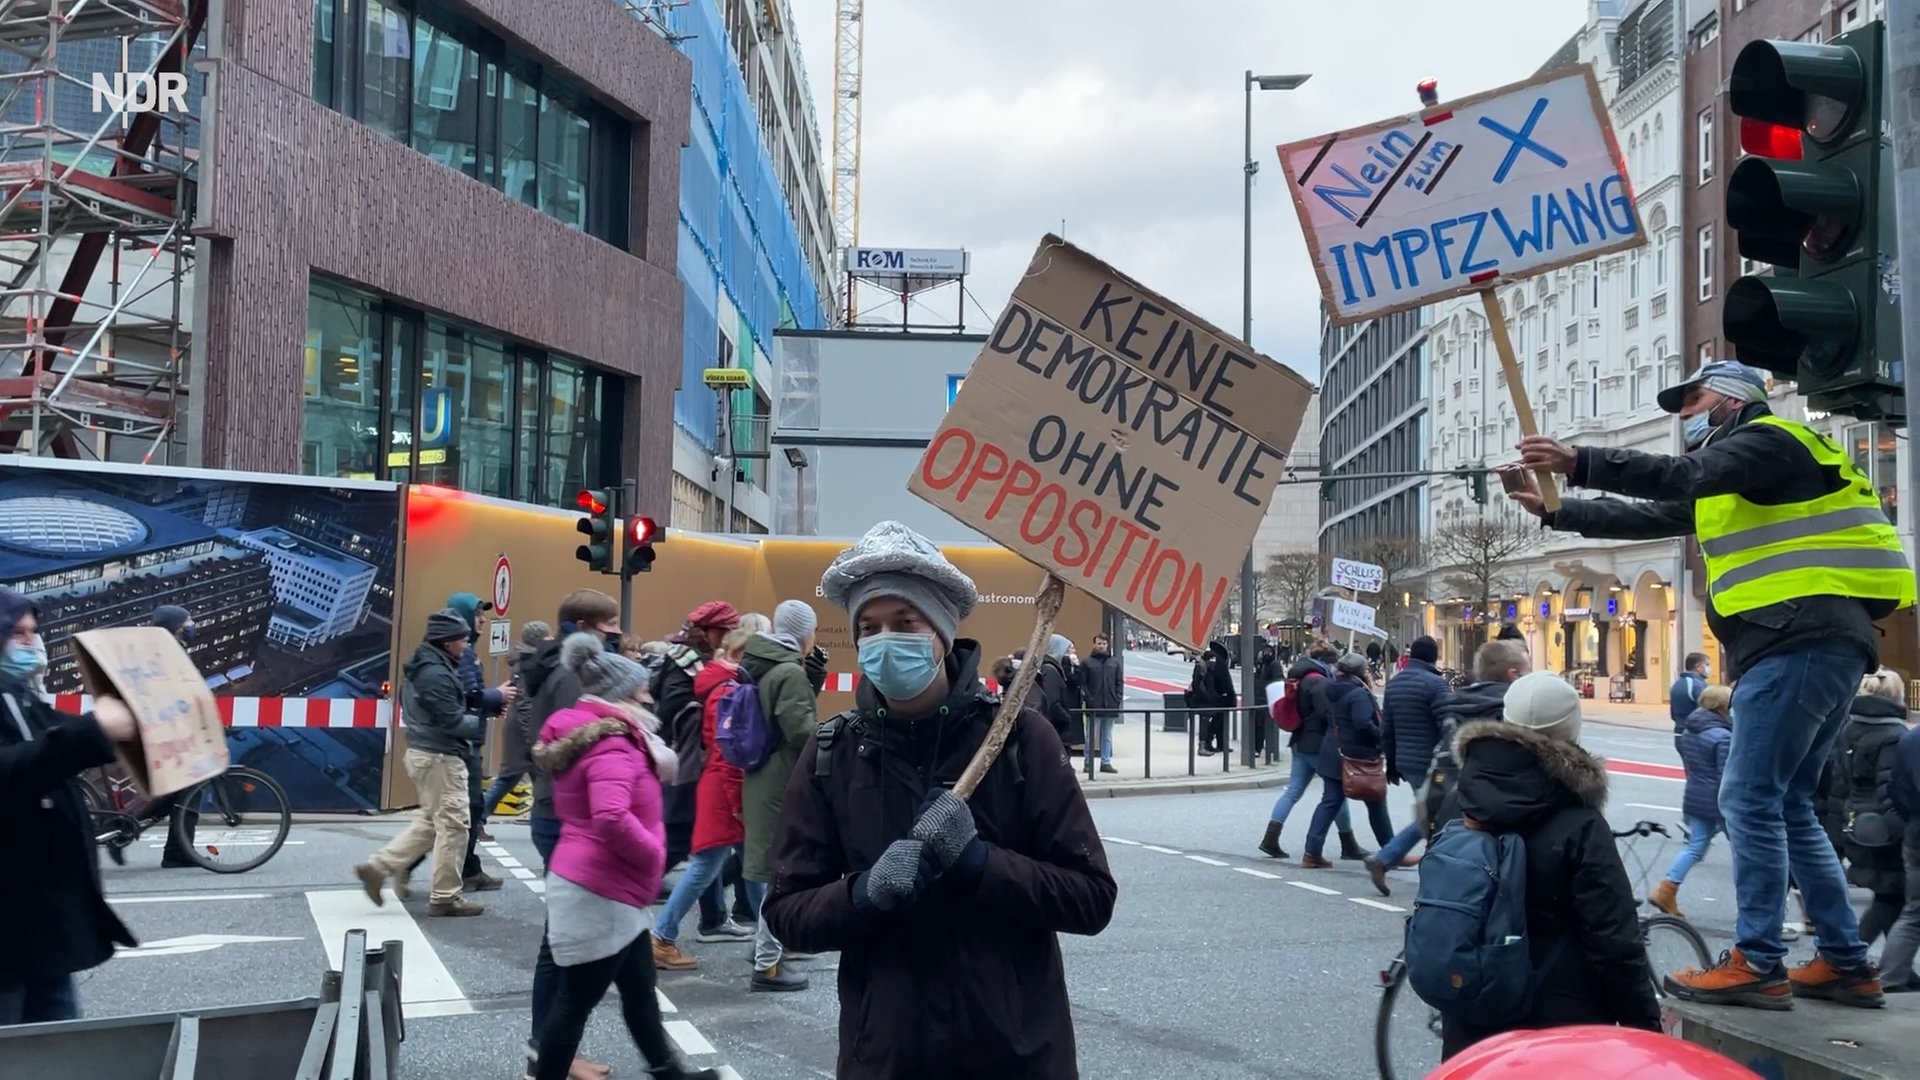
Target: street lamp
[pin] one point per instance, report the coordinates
(797, 460)
(1248, 655)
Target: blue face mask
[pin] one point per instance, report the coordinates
(1695, 429)
(22, 662)
(900, 666)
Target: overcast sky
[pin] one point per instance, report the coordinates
(987, 122)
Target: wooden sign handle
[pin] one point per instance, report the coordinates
(1046, 611)
(1516, 389)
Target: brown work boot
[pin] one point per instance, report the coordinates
(1311, 861)
(668, 956)
(372, 879)
(1818, 978)
(1666, 897)
(1732, 982)
(481, 882)
(1377, 872)
(456, 908)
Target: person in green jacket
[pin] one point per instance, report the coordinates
(774, 661)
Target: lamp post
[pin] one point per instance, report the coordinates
(1248, 652)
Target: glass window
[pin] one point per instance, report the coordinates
(562, 424)
(519, 121)
(528, 458)
(341, 419)
(323, 34)
(564, 140)
(485, 405)
(401, 333)
(385, 51)
(446, 99)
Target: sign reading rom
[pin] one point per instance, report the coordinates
(1117, 440)
(1496, 186)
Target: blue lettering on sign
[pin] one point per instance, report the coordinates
(1351, 197)
(868, 259)
(1522, 140)
(1549, 222)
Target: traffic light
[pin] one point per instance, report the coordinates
(1476, 479)
(1326, 482)
(642, 534)
(597, 552)
(1811, 203)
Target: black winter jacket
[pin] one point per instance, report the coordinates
(1757, 462)
(1551, 794)
(553, 688)
(1356, 718)
(967, 981)
(1410, 713)
(1103, 686)
(55, 921)
(1058, 697)
(1905, 788)
(1311, 680)
(1857, 787)
(434, 704)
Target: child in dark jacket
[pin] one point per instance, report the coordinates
(1704, 739)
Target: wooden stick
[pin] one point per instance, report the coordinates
(1046, 611)
(1516, 388)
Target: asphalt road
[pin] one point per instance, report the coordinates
(1218, 963)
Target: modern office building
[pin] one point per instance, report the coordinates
(1373, 419)
(756, 246)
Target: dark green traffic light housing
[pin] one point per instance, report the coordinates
(597, 527)
(1812, 208)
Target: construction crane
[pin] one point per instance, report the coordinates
(850, 17)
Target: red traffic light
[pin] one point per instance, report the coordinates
(642, 530)
(591, 502)
(1776, 141)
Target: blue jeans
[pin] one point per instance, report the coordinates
(546, 974)
(1100, 730)
(1789, 706)
(1397, 848)
(703, 870)
(1333, 802)
(1297, 780)
(496, 791)
(39, 1001)
(1700, 834)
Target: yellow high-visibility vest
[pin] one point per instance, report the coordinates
(1836, 545)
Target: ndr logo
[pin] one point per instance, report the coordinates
(879, 259)
(140, 91)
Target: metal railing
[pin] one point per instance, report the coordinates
(1176, 716)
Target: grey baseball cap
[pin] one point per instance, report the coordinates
(1729, 377)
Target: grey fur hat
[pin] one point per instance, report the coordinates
(893, 560)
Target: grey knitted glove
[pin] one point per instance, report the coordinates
(896, 877)
(946, 824)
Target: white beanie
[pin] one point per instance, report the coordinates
(1546, 703)
(795, 619)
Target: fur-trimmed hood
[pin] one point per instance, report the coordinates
(569, 734)
(1509, 774)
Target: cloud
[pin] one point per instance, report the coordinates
(991, 122)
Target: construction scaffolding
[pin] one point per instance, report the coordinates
(97, 171)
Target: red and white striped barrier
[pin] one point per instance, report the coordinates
(844, 681)
(278, 712)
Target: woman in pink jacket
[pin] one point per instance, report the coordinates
(607, 763)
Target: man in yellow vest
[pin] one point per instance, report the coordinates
(1801, 560)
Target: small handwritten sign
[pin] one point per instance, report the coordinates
(1348, 615)
(1359, 576)
(1501, 185)
(181, 741)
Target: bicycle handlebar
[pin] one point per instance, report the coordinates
(1643, 828)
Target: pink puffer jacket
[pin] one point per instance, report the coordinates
(606, 792)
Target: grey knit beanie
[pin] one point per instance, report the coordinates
(446, 625)
(893, 560)
(795, 620)
(606, 675)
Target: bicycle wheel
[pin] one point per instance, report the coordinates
(251, 817)
(1672, 945)
(1406, 1031)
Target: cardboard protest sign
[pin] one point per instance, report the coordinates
(1359, 576)
(1348, 615)
(1500, 185)
(1117, 440)
(181, 739)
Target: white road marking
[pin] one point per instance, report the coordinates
(1161, 850)
(1321, 889)
(1651, 806)
(1206, 861)
(188, 898)
(665, 1005)
(725, 1072)
(197, 943)
(336, 911)
(691, 1042)
(1117, 840)
(1374, 903)
(519, 871)
(523, 873)
(1261, 874)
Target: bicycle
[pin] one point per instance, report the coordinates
(250, 805)
(1412, 1049)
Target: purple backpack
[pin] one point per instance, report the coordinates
(740, 729)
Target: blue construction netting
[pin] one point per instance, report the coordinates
(737, 231)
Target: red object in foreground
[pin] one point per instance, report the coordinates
(1589, 1053)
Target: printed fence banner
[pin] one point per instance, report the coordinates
(1497, 186)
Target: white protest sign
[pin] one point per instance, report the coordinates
(1358, 576)
(1497, 186)
(1348, 615)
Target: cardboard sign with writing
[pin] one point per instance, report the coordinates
(1348, 615)
(181, 739)
(1117, 440)
(1359, 576)
(1489, 188)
